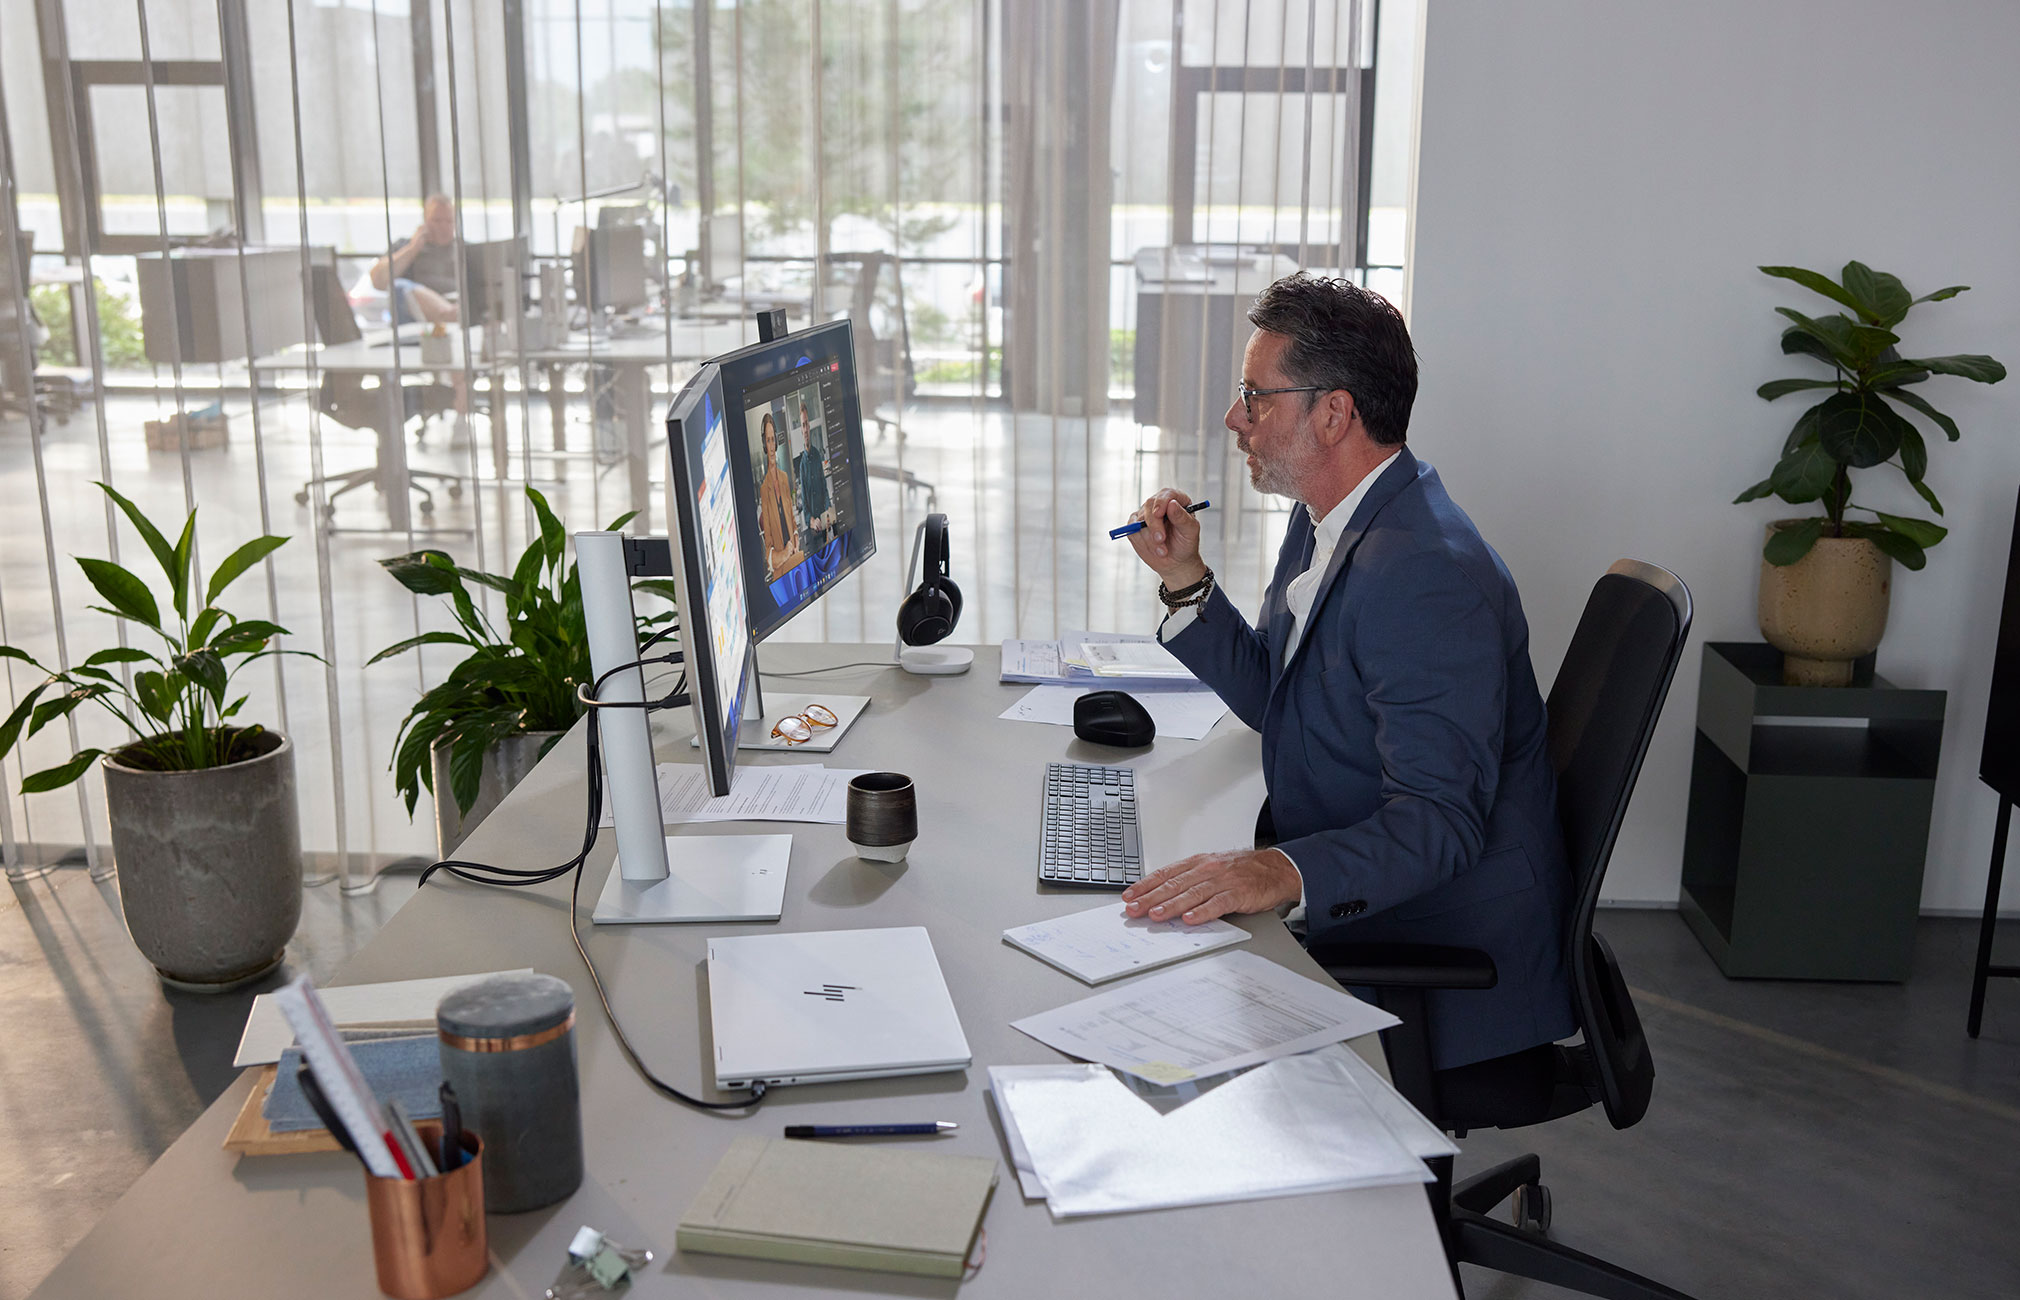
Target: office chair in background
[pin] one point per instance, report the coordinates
(345, 399)
(1602, 712)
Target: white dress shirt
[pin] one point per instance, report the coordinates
(1299, 595)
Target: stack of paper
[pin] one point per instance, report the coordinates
(1079, 662)
(1079, 658)
(1207, 1017)
(1322, 1121)
(790, 792)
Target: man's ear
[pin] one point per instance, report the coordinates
(1335, 417)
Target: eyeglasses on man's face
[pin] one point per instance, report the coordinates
(1248, 395)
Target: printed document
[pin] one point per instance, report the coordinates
(1206, 1017)
(1106, 942)
(796, 792)
(1183, 714)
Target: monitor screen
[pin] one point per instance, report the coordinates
(796, 443)
(715, 631)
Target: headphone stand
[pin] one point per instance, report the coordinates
(928, 660)
(936, 660)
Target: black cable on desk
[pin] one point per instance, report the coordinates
(483, 873)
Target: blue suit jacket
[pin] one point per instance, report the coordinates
(1403, 747)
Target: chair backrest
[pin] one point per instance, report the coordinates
(335, 321)
(1603, 708)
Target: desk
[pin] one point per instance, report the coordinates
(631, 360)
(202, 1224)
(389, 363)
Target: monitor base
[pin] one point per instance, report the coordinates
(756, 733)
(715, 878)
(936, 660)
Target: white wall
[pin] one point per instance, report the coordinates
(1596, 184)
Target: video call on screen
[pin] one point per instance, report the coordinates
(805, 484)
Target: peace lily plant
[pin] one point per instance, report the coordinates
(205, 828)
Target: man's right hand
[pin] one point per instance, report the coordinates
(1169, 541)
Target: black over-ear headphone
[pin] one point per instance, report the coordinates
(930, 613)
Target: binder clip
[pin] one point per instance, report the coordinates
(596, 1266)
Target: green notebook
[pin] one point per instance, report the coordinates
(815, 1202)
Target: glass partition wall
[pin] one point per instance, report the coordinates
(1044, 219)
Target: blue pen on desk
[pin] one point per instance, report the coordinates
(868, 1130)
(1137, 527)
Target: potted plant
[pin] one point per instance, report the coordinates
(202, 807)
(1824, 579)
(510, 699)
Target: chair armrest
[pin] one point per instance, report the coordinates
(1406, 965)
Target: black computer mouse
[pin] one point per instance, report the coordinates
(1113, 718)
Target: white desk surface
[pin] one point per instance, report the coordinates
(203, 1223)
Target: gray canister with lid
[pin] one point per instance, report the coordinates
(508, 1049)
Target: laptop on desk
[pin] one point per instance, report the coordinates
(830, 1005)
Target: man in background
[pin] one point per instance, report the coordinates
(421, 273)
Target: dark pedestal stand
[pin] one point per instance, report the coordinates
(1809, 819)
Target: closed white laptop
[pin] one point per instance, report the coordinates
(830, 1005)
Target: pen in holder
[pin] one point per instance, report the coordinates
(428, 1233)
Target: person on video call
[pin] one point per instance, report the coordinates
(812, 474)
(1403, 747)
(776, 511)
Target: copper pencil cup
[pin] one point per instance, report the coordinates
(428, 1233)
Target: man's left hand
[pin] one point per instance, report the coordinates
(1199, 888)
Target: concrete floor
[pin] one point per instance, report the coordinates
(1806, 1139)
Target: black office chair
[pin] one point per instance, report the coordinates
(1602, 710)
(345, 399)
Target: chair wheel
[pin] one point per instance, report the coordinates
(455, 491)
(427, 507)
(302, 498)
(1532, 1208)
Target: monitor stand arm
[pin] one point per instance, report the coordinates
(720, 877)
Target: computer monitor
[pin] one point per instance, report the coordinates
(608, 266)
(794, 423)
(491, 272)
(708, 571)
(686, 877)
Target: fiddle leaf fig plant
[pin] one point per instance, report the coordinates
(177, 703)
(1861, 423)
(521, 675)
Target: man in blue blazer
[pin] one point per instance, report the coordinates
(1402, 732)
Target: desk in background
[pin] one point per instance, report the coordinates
(202, 1223)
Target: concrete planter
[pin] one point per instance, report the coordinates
(505, 765)
(1825, 610)
(210, 865)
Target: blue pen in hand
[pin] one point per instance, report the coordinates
(1137, 527)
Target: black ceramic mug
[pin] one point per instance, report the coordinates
(883, 816)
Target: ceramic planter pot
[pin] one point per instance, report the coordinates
(505, 765)
(210, 865)
(1825, 610)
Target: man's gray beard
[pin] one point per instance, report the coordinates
(1279, 479)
